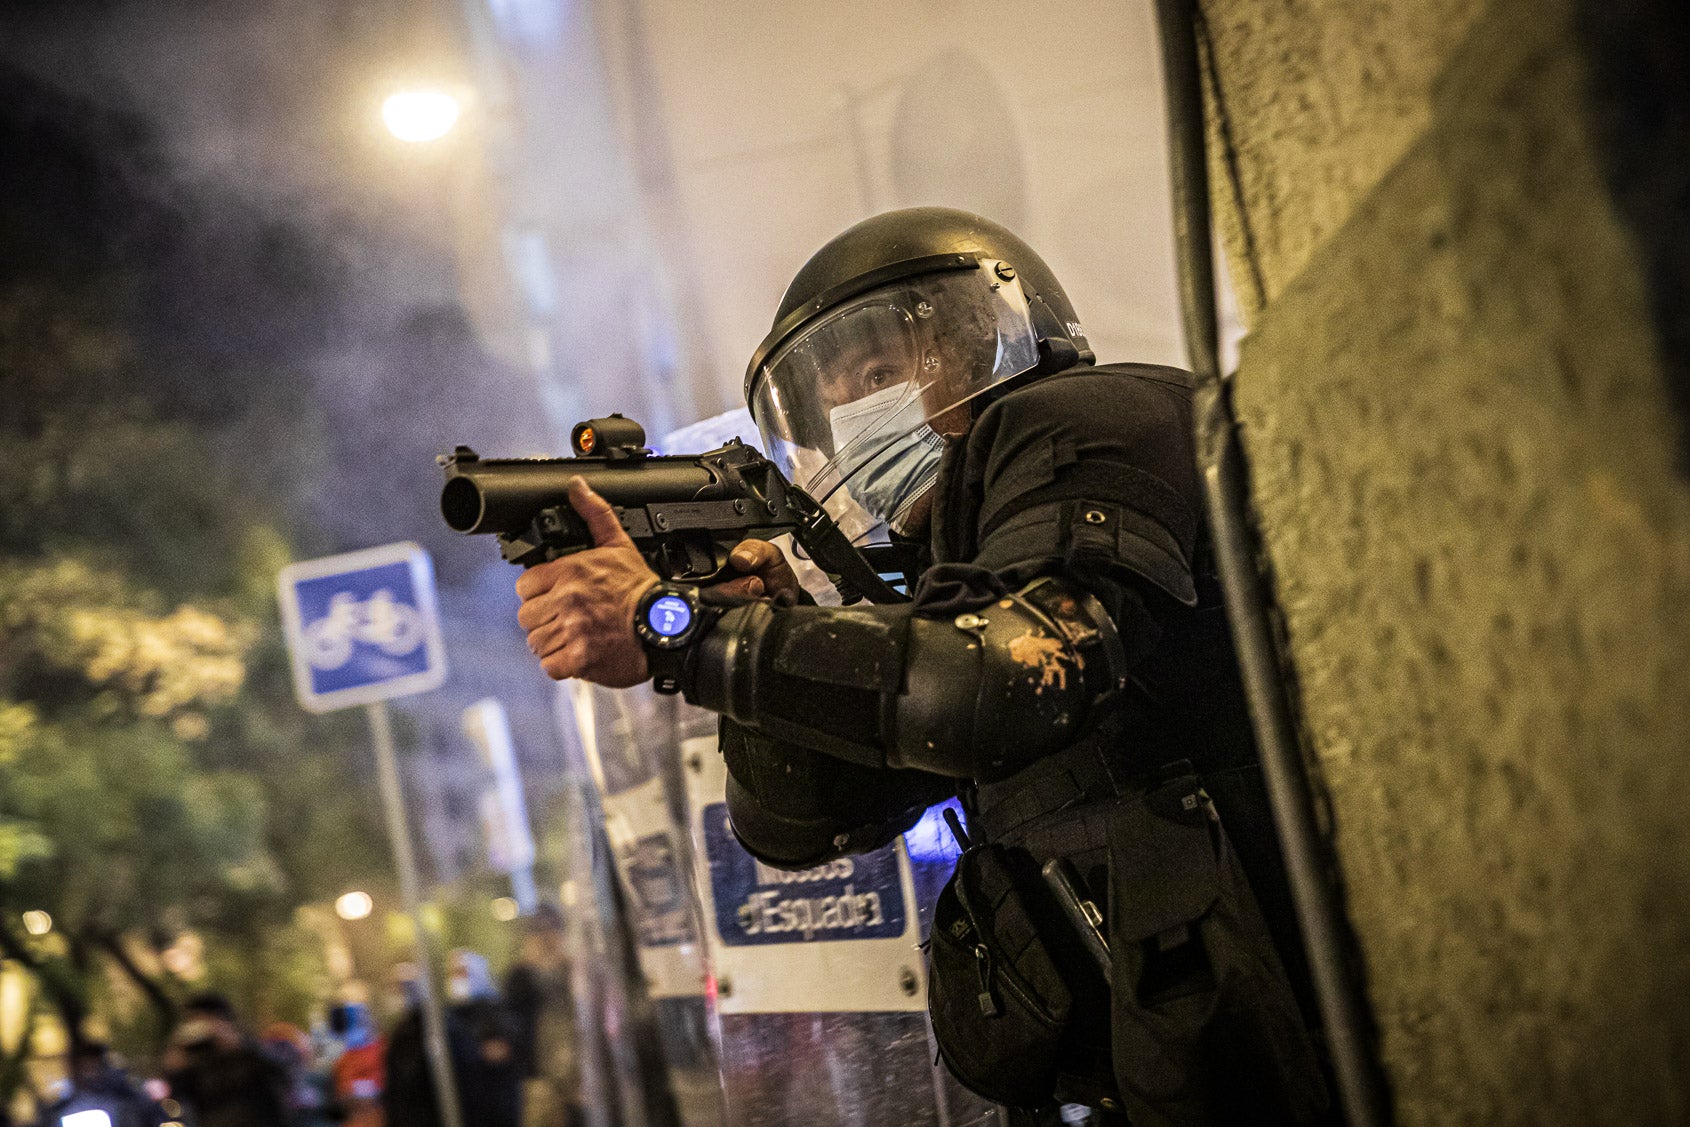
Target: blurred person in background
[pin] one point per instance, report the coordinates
(220, 1072)
(307, 1097)
(407, 1095)
(542, 1005)
(481, 1040)
(358, 1074)
(96, 1083)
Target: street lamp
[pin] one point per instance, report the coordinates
(420, 115)
(353, 905)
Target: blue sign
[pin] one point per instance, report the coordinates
(851, 898)
(362, 627)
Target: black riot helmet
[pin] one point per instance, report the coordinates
(884, 336)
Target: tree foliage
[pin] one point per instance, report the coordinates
(155, 774)
(168, 356)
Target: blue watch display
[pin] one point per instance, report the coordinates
(669, 616)
(668, 619)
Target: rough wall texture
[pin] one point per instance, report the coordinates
(1329, 94)
(1463, 451)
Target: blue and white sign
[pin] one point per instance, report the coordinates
(841, 937)
(362, 627)
(858, 897)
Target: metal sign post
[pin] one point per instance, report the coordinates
(363, 628)
(399, 832)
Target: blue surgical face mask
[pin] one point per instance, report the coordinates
(903, 452)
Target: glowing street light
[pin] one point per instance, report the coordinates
(37, 922)
(420, 115)
(95, 1118)
(353, 905)
(505, 909)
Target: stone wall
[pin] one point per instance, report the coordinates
(1455, 401)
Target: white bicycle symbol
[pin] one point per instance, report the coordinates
(378, 621)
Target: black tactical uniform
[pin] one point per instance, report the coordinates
(1065, 666)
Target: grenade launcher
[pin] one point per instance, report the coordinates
(684, 512)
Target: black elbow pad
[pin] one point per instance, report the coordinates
(811, 676)
(975, 695)
(783, 840)
(990, 691)
(794, 808)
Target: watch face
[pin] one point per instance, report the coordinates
(669, 616)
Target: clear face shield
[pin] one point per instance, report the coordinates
(852, 407)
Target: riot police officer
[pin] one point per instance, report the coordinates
(1064, 665)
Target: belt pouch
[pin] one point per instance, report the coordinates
(999, 1007)
(1206, 1030)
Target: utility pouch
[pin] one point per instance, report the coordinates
(998, 1004)
(1206, 1028)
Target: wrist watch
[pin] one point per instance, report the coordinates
(667, 621)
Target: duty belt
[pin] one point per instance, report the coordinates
(1058, 806)
(1070, 778)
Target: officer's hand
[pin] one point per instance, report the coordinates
(762, 570)
(579, 610)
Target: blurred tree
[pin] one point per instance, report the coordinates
(156, 777)
(194, 389)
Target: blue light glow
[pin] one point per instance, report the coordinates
(930, 840)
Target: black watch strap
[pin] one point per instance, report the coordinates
(666, 667)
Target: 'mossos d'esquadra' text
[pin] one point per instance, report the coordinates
(771, 911)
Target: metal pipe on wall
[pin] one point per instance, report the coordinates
(1362, 1089)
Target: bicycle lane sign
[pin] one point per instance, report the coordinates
(362, 627)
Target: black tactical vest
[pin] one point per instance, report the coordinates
(1091, 475)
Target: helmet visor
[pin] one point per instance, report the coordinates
(846, 407)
